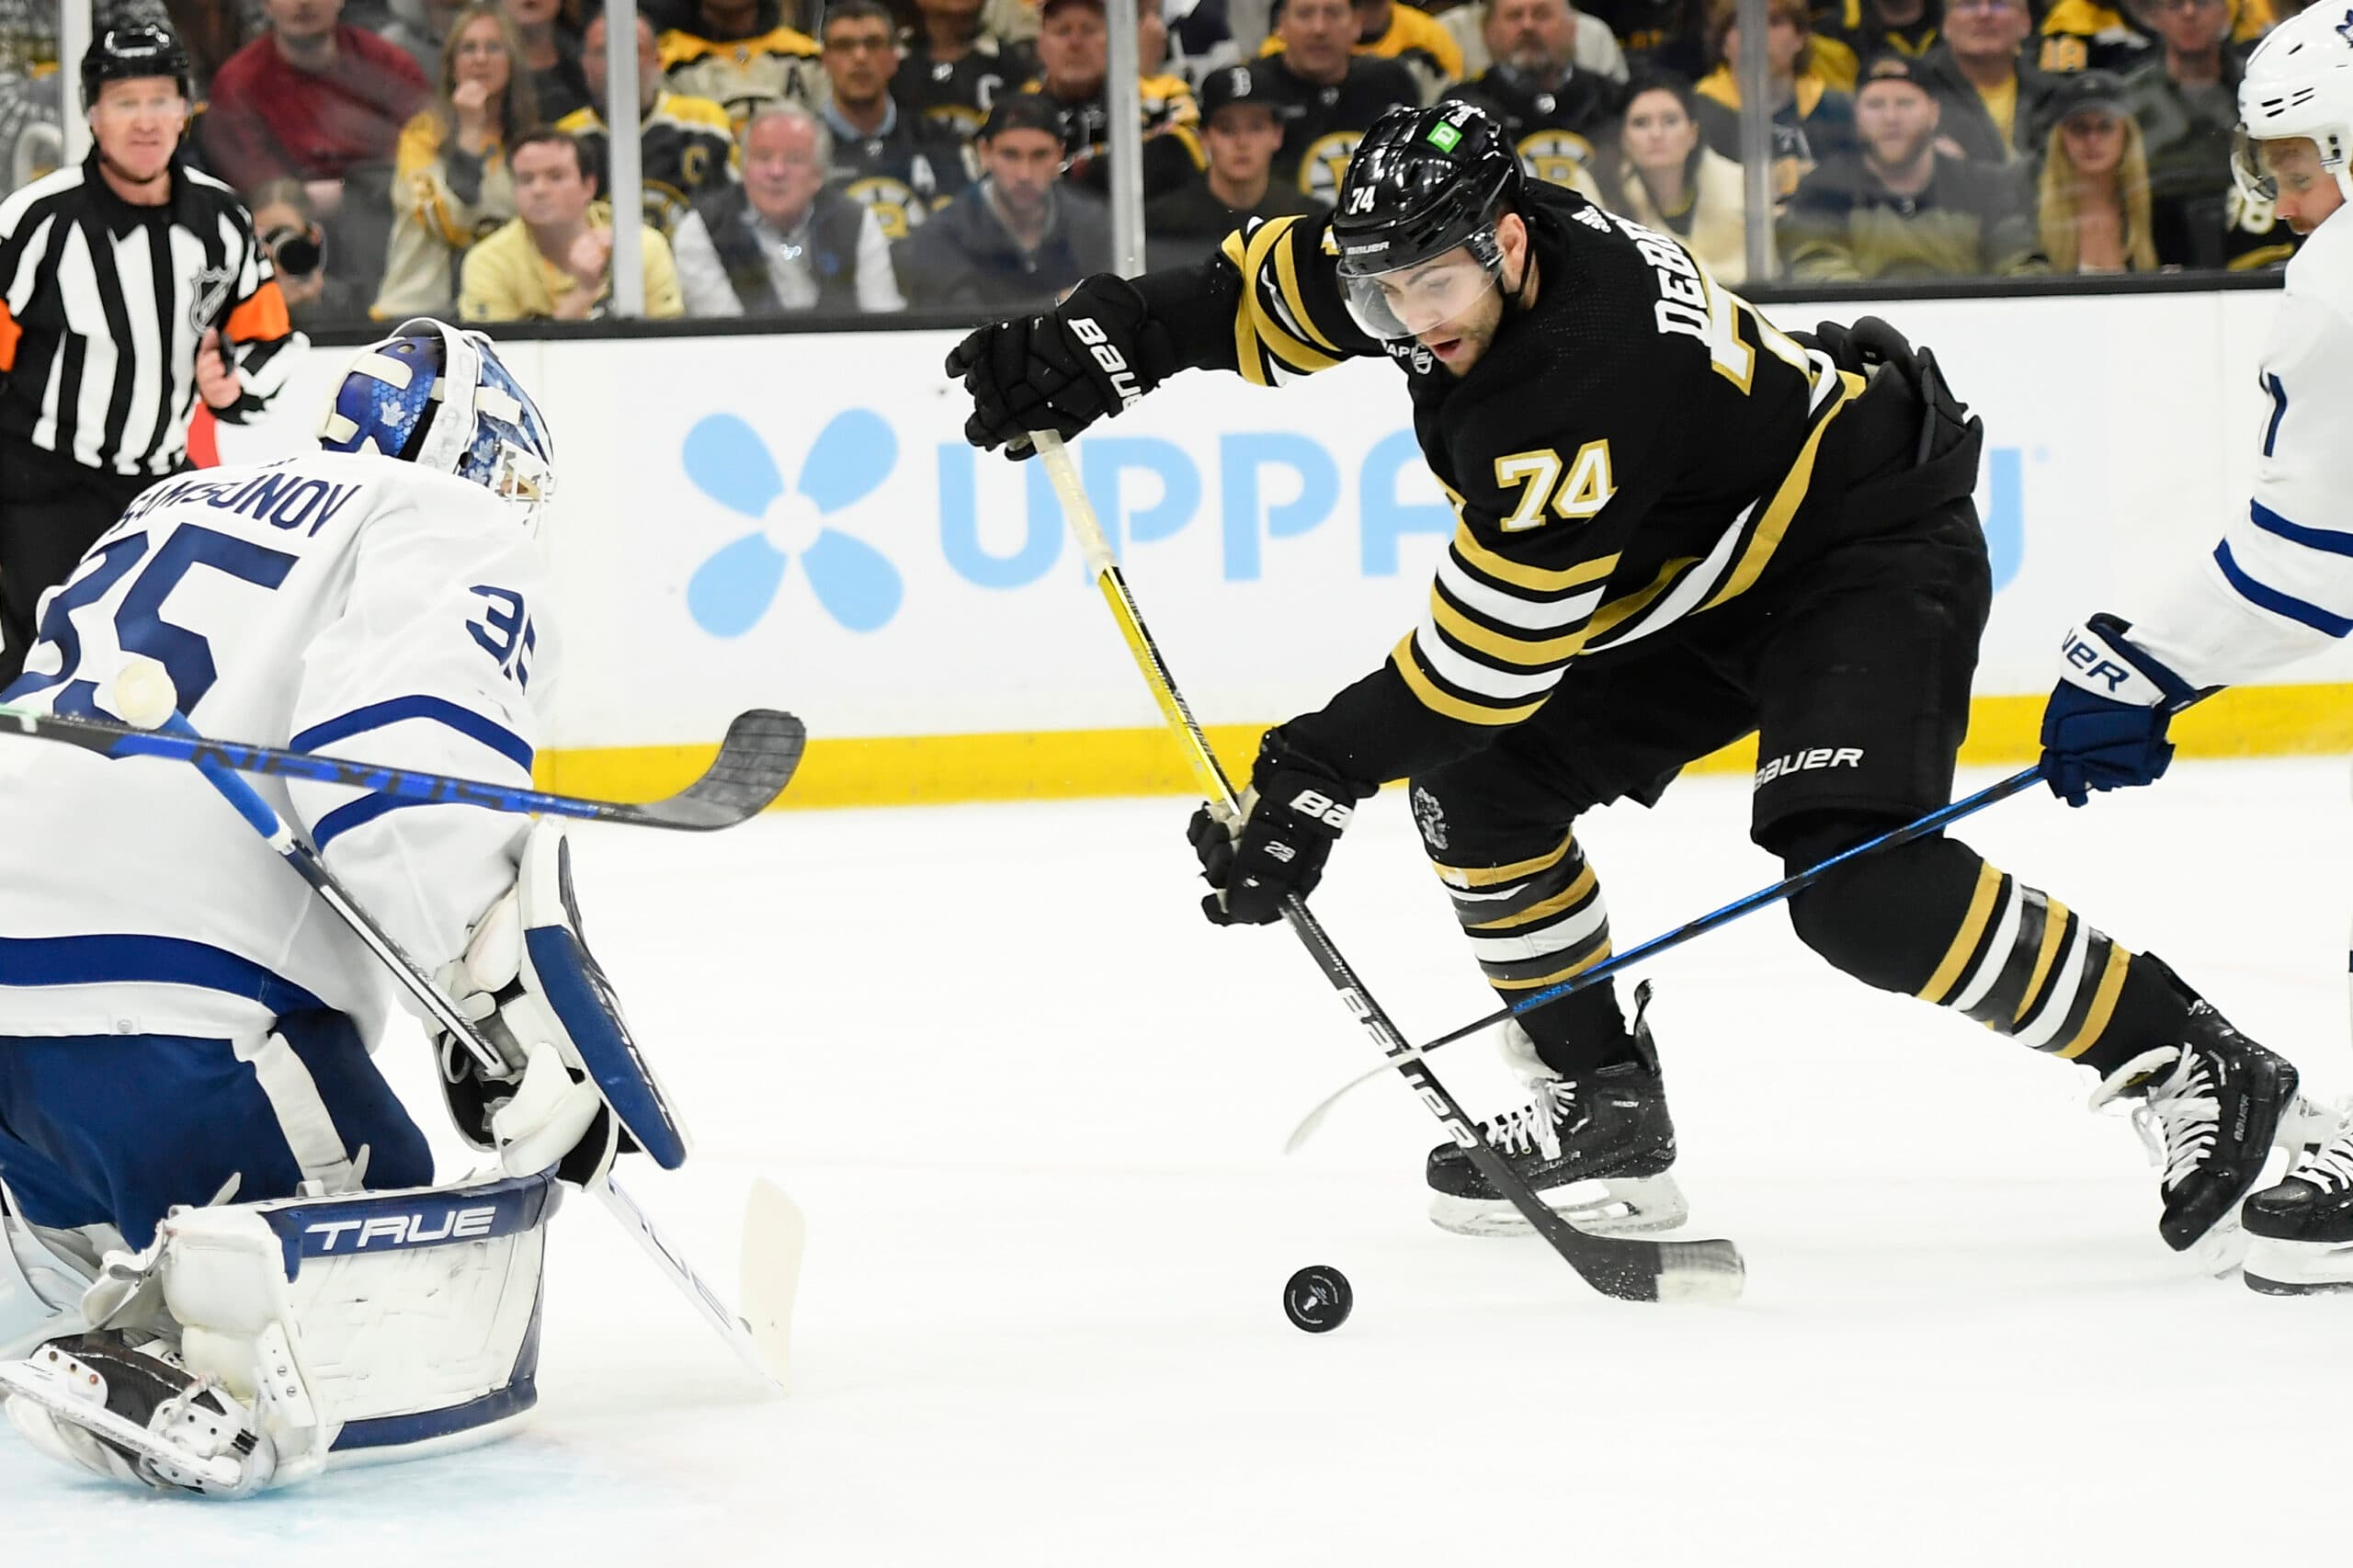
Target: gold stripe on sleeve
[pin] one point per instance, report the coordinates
(1503, 569)
(1786, 501)
(1445, 704)
(1502, 645)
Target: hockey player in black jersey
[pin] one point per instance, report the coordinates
(1677, 526)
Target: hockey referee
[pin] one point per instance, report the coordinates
(129, 286)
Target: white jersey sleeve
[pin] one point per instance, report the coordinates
(2280, 585)
(430, 665)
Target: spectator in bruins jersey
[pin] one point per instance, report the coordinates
(1555, 114)
(685, 145)
(1387, 30)
(551, 54)
(1667, 178)
(450, 183)
(1812, 121)
(2092, 208)
(784, 241)
(1021, 235)
(2090, 35)
(1241, 132)
(952, 67)
(554, 262)
(1850, 34)
(2187, 103)
(1992, 99)
(1333, 93)
(1658, 35)
(739, 54)
(1898, 208)
(1074, 57)
(900, 166)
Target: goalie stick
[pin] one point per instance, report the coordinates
(755, 763)
(770, 1235)
(1627, 1269)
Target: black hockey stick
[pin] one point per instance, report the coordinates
(755, 763)
(1628, 1269)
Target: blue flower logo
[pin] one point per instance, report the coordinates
(848, 460)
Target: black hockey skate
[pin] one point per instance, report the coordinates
(1597, 1148)
(2302, 1231)
(2209, 1108)
(133, 1413)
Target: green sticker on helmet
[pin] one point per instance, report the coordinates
(1444, 137)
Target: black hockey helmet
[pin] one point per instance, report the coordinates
(138, 49)
(1423, 181)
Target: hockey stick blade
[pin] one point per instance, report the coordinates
(741, 1337)
(755, 763)
(775, 1236)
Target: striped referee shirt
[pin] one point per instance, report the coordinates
(102, 306)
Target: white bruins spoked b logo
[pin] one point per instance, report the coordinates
(1325, 164)
(1555, 157)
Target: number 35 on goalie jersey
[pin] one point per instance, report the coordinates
(347, 606)
(1637, 445)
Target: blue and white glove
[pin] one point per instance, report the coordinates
(2104, 727)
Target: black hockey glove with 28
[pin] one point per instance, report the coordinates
(1095, 353)
(1292, 814)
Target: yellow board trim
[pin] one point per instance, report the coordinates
(1972, 930)
(2111, 985)
(1059, 764)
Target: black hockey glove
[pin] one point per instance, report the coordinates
(1098, 352)
(1293, 813)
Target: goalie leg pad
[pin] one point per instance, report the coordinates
(343, 1330)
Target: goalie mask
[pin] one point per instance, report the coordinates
(438, 396)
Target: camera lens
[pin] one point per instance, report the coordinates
(296, 253)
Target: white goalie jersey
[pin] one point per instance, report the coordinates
(346, 606)
(2280, 585)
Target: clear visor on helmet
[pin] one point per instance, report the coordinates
(521, 476)
(2255, 181)
(1412, 300)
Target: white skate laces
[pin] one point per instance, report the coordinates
(2178, 1115)
(2328, 1166)
(1535, 1128)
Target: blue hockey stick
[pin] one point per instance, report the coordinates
(755, 763)
(1944, 816)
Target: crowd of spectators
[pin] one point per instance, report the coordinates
(418, 156)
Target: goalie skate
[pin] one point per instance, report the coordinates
(1598, 1149)
(94, 1402)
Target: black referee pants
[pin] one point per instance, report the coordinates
(51, 510)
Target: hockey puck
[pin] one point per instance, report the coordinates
(1317, 1299)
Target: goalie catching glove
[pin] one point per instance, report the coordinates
(1292, 815)
(1095, 353)
(575, 1092)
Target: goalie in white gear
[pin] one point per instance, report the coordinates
(2278, 586)
(225, 1262)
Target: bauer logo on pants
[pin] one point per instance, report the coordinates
(1807, 761)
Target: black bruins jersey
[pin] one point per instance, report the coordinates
(958, 93)
(1637, 447)
(1554, 127)
(902, 175)
(1321, 125)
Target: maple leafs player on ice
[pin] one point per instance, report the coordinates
(1677, 526)
(223, 1263)
(2278, 586)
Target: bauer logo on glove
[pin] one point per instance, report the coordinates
(1273, 851)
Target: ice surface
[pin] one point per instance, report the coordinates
(1031, 1105)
